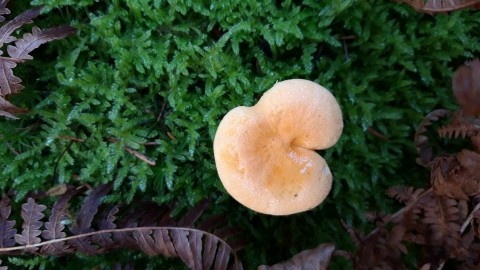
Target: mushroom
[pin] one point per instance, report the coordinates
(265, 154)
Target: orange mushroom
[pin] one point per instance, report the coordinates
(265, 154)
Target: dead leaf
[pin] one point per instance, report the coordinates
(311, 259)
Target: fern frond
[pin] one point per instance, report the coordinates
(456, 130)
(404, 194)
(139, 230)
(421, 141)
(9, 83)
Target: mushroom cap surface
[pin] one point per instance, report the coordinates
(265, 154)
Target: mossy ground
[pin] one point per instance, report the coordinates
(167, 71)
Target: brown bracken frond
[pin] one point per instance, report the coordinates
(147, 229)
(19, 52)
(422, 141)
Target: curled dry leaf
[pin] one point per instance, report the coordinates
(31, 214)
(318, 258)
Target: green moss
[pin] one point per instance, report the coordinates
(387, 65)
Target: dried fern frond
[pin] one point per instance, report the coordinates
(460, 129)
(150, 230)
(19, 52)
(404, 194)
(421, 141)
(444, 220)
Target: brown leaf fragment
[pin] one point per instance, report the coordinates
(318, 258)
(425, 267)
(9, 83)
(85, 217)
(145, 242)
(164, 243)
(466, 88)
(457, 176)
(7, 231)
(106, 223)
(7, 29)
(3, 9)
(404, 194)
(421, 141)
(9, 110)
(57, 190)
(195, 240)
(31, 41)
(460, 129)
(476, 143)
(196, 248)
(222, 256)
(194, 213)
(32, 215)
(182, 246)
(54, 226)
(209, 250)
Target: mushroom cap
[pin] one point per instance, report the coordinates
(265, 154)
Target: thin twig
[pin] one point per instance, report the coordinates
(345, 49)
(13, 149)
(469, 218)
(377, 134)
(140, 156)
(162, 109)
(71, 138)
(348, 37)
(115, 140)
(59, 158)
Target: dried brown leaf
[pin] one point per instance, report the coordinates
(421, 141)
(197, 249)
(31, 41)
(107, 223)
(7, 29)
(54, 226)
(194, 213)
(32, 215)
(3, 9)
(85, 217)
(6, 226)
(9, 110)
(318, 258)
(459, 129)
(404, 194)
(57, 190)
(466, 87)
(9, 83)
